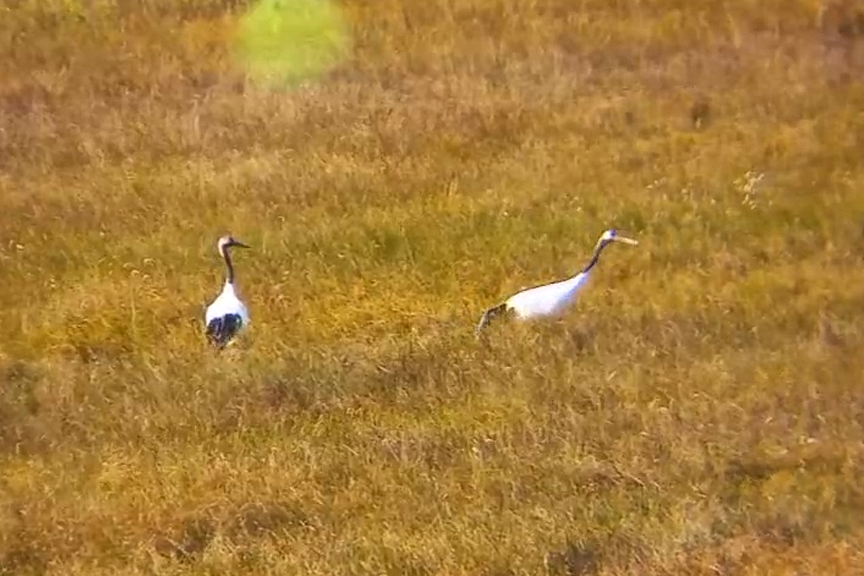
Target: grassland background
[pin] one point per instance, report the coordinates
(700, 412)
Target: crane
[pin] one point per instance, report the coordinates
(227, 314)
(550, 300)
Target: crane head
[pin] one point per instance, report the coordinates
(228, 241)
(612, 235)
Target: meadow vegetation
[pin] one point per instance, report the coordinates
(701, 410)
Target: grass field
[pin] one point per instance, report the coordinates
(700, 411)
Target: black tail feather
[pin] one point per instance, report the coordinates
(221, 330)
(489, 316)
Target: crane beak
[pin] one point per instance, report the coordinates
(240, 244)
(629, 241)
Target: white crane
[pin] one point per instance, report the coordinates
(227, 315)
(550, 299)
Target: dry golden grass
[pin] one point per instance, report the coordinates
(701, 411)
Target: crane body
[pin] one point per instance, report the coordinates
(227, 315)
(550, 300)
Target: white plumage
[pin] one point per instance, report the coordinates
(227, 315)
(550, 300)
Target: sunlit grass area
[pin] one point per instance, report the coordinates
(699, 410)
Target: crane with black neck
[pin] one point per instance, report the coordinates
(227, 315)
(550, 300)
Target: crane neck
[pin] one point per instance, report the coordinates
(595, 257)
(226, 255)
